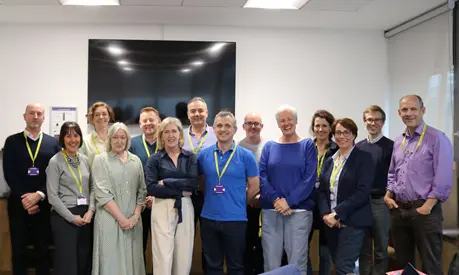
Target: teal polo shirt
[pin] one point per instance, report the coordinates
(138, 149)
(231, 205)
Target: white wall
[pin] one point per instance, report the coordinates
(342, 71)
(420, 62)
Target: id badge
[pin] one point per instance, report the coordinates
(332, 196)
(219, 189)
(81, 200)
(33, 171)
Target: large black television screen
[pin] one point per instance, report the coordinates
(132, 74)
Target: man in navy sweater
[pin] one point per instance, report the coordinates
(144, 146)
(380, 148)
(26, 156)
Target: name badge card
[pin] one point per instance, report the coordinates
(82, 201)
(33, 171)
(219, 189)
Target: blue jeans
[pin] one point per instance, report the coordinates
(378, 235)
(289, 232)
(345, 244)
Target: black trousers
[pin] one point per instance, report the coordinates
(198, 202)
(253, 256)
(28, 229)
(410, 229)
(146, 223)
(73, 244)
(220, 240)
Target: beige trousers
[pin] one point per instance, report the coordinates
(172, 243)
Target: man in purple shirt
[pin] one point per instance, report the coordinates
(420, 178)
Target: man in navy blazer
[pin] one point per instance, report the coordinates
(344, 197)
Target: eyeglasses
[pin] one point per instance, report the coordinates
(253, 123)
(373, 120)
(345, 134)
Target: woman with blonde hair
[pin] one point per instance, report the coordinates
(99, 116)
(120, 197)
(172, 177)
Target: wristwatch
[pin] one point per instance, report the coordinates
(336, 217)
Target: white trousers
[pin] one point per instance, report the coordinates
(172, 243)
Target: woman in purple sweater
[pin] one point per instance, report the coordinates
(287, 178)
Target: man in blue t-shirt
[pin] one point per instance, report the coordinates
(230, 179)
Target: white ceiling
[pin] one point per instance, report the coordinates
(341, 14)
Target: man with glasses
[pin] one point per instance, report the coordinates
(380, 147)
(253, 259)
(420, 178)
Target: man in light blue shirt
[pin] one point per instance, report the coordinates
(230, 180)
(198, 137)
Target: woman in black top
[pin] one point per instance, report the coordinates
(171, 178)
(321, 124)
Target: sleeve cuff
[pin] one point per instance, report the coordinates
(42, 195)
(289, 202)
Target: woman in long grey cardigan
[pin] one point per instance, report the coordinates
(120, 197)
(70, 194)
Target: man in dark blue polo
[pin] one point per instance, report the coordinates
(231, 179)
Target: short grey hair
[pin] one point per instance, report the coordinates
(287, 107)
(111, 132)
(225, 114)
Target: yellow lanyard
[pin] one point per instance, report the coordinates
(424, 129)
(200, 144)
(220, 175)
(335, 172)
(320, 163)
(33, 157)
(95, 145)
(80, 181)
(146, 147)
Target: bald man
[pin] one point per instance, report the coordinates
(26, 156)
(253, 259)
(420, 178)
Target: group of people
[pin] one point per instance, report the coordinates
(104, 193)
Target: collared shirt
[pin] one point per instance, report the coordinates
(376, 139)
(92, 146)
(426, 173)
(231, 205)
(210, 139)
(176, 179)
(336, 164)
(122, 182)
(29, 135)
(138, 149)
